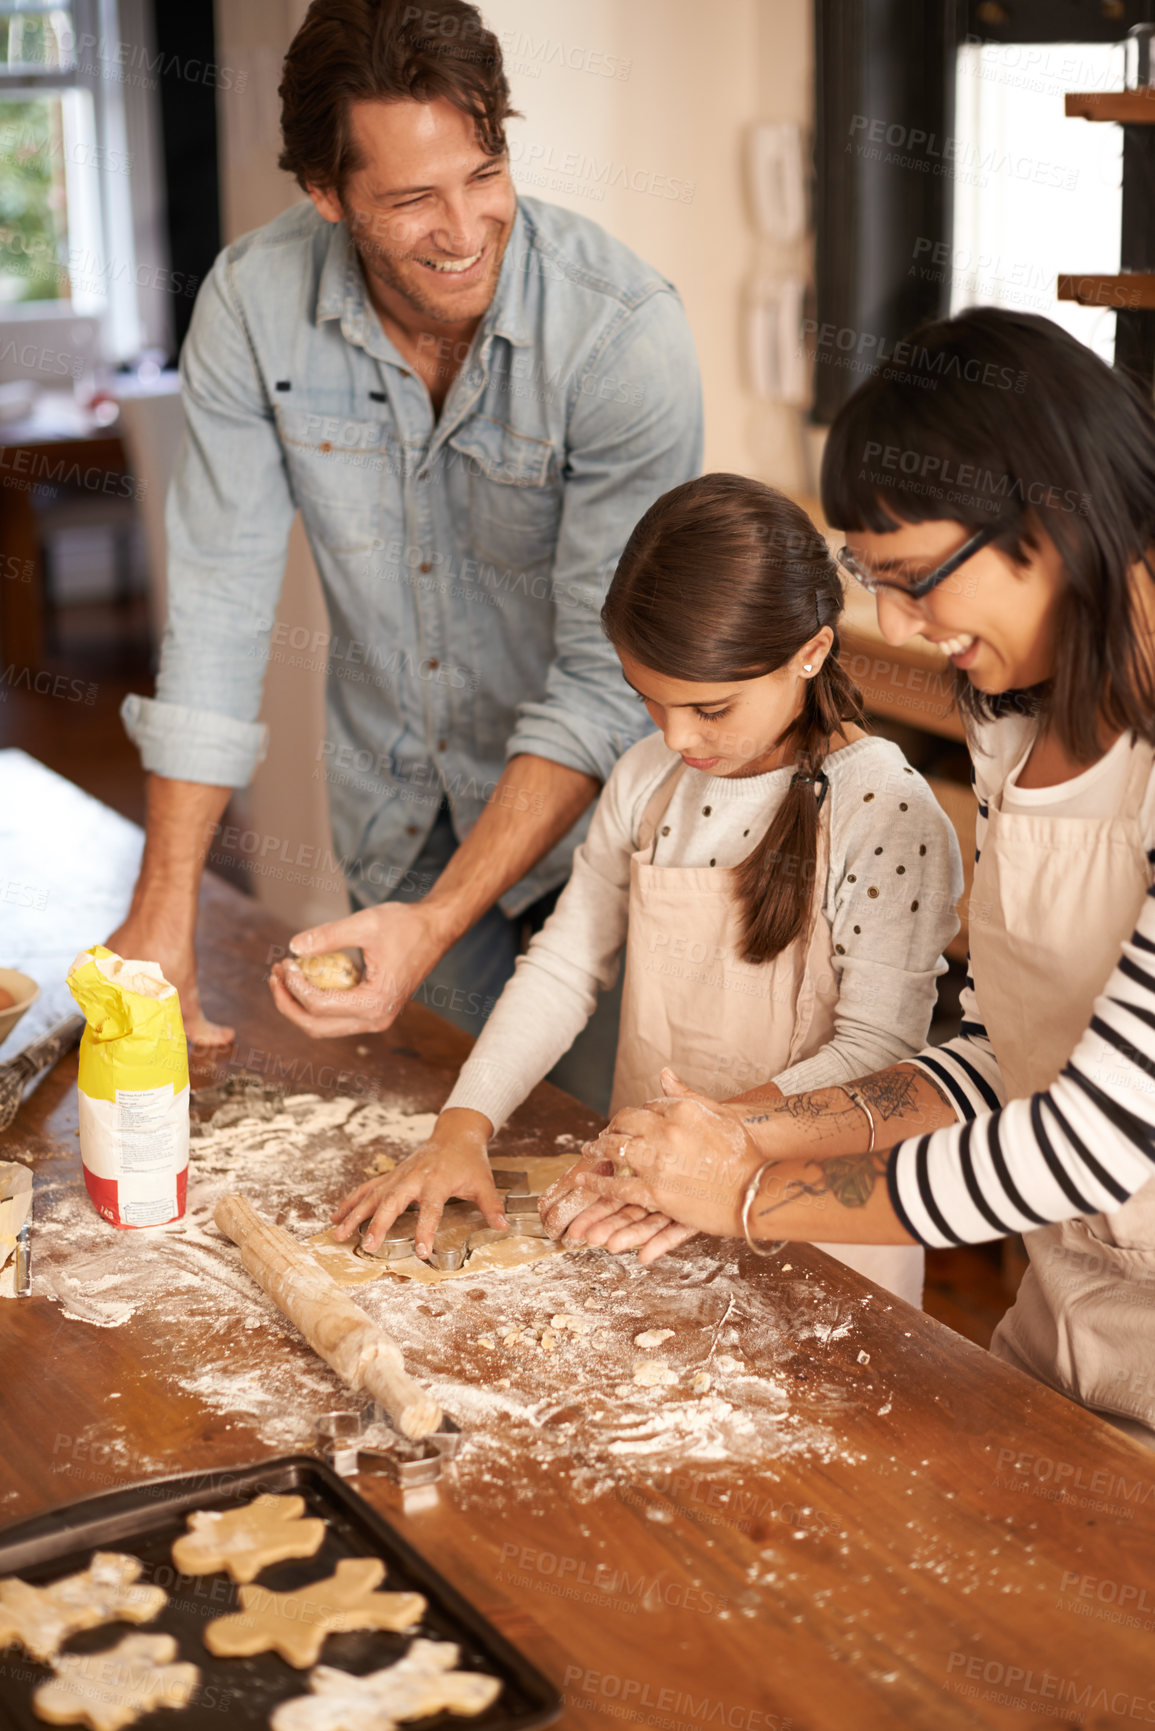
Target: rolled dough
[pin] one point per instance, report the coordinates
(459, 1222)
(333, 971)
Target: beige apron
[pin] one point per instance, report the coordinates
(724, 1024)
(1053, 900)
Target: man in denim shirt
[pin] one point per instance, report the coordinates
(471, 401)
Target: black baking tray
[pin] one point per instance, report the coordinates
(143, 1520)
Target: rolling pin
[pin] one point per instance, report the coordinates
(335, 1327)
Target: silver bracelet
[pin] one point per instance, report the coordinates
(855, 1097)
(747, 1204)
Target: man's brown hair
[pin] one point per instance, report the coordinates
(350, 51)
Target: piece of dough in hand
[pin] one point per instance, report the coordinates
(295, 1624)
(245, 1541)
(107, 1691)
(422, 1683)
(42, 1618)
(334, 971)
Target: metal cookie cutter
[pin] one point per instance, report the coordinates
(397, 1243)
(513, 1183)
(523, 1216)
(406, 1463)
(338, 1432)
(447, 1438)
(448, 1258)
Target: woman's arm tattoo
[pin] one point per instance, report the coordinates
(849, 1178)
(892, 1093)
(819, 1111)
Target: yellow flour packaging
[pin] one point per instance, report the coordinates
(134, 1090)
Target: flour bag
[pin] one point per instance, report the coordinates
(134, 1089)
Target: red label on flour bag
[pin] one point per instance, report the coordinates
(133, 1089)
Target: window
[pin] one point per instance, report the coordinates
(1036, 195)
(67, 240)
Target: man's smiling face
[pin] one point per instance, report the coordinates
(429, 212)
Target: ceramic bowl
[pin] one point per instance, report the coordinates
(24, 990)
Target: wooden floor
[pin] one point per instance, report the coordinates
(104, 653)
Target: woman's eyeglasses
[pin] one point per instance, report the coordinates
(921, 586)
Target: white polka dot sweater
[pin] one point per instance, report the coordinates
(893, 880)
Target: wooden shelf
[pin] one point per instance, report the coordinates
(1132, 291)
(1130, 107)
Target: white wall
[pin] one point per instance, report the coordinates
(665, 92)
(686, 82)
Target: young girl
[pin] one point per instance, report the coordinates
(783, 883)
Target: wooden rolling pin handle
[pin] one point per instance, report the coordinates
(336, 1328)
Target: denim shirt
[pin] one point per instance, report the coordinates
(464, 557)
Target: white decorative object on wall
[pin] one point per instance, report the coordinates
(779, 369)
(778, 180)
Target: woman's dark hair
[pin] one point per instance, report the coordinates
(350, 51)
(725, 579)
(1002, 417)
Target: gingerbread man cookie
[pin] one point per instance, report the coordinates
(42, 1618)
(423, 1682)
(107, 1691)
(246, 1540)
(295, 1624)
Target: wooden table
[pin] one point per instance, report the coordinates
(977, 1551)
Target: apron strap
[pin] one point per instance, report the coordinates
(656, 805)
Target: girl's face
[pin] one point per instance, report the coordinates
(995, 619)
(733, 728)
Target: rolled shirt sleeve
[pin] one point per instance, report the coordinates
(228, 516)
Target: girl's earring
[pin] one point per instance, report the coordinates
(808, 667)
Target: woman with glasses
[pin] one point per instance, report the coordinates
(1008, 516)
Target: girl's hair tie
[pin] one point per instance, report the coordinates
(818, 779)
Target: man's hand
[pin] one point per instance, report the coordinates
(160, 926)
(452, 1163)
(533, 805)
(400, 941)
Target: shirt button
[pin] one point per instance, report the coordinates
(411, 829)
(326, 446)
(433, 664)
(665, 829)
(425, 567)
(443, 745)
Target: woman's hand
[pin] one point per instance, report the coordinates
(452, 1163)
(620, 1227)
(689, 1160)
(569, 1214)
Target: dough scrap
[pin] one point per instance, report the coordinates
(653, 1337)
(423, 1682)
(246, 1540)
(109, 1690)
(332, 971)
(295, 1624)
(654, 1373)
(42, 1618)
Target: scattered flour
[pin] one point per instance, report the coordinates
(536, 1364)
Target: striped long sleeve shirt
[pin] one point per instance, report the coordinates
(1082, 1146)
